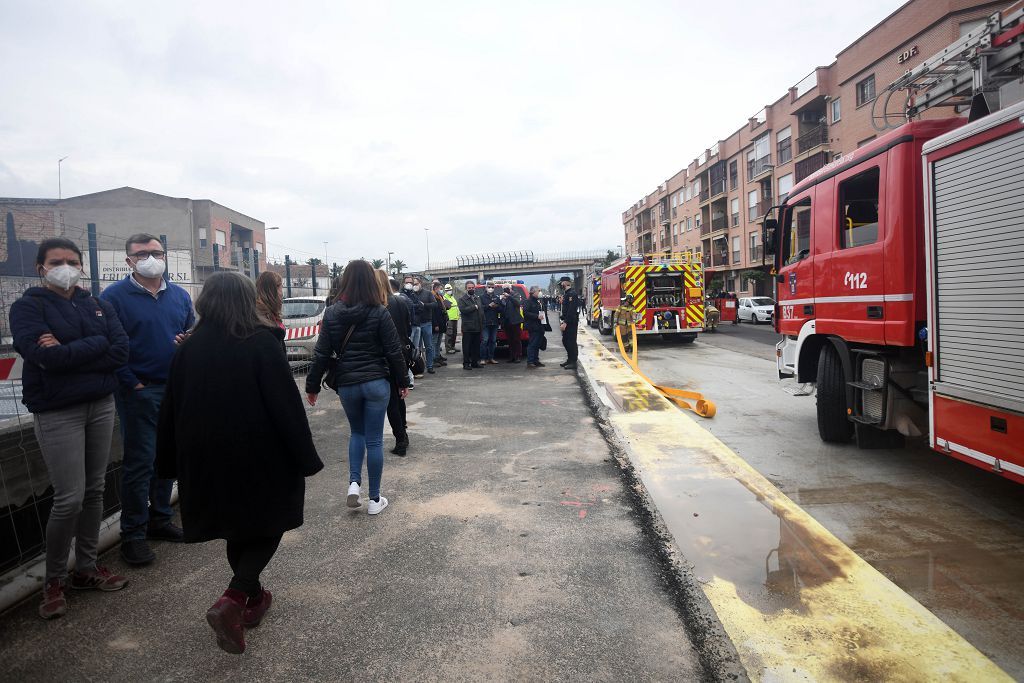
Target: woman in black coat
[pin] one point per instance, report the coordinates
(234, 434)
(361, 333)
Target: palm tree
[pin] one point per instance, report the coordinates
(377, 263)
(313, 262)
(397, 266)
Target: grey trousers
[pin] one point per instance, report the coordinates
(75, 443)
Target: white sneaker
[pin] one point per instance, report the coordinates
(376, 508)
(353, 495)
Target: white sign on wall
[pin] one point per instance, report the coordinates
(112, 265)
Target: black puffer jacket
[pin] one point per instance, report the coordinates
(373, 352)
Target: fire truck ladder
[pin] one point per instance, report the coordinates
(967, 73)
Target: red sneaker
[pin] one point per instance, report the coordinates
(54, 603)
(225, 618)
(255, 608)
(101, 579)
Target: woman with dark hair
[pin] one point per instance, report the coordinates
(361, 333)
(240, 472)
(72, 343)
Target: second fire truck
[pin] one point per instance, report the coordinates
(665, 292)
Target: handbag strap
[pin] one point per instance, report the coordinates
(348, 333)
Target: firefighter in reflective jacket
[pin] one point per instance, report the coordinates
(452, 330)
(570, 322)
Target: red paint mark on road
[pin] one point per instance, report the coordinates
(583, 514)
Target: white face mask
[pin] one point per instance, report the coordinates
(408, 286)
(416, 288)
(150, 267)
(63, 276)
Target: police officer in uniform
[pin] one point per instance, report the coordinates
(570, 322)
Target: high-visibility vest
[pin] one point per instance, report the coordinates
(453, 311)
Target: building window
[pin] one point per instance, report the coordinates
(784, 144)
(858, 210)
(866, 90)
(221, 237)
(785, 185)
(837, 110)
(865, 141)
(734, 175)
(730, 284)
(689, 192)
(689, 223)
(755, 253)
(202, 238)
(736, 249)
(735, 206)
(674, 201)
(259, 249)
(752, 205)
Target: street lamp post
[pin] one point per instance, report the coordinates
(60, 190)
(426, 231)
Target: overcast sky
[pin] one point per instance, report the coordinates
(498, 126)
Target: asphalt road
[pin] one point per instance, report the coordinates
(949, 534)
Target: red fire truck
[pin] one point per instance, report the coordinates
(900, 283)
(666, 291)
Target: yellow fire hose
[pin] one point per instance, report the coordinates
(703, 407)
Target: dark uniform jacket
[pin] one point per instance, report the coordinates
(234, 434)
(374, 351)
(415, 307)
(472, 316)
(570, 307)
(398, 307)
(511, 314)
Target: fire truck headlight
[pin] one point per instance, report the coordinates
(667, 315)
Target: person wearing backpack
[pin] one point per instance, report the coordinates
(359, 330)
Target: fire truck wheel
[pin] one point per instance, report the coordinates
(601, 327)
(833, 424)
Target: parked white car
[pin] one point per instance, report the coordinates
(301, 316)
(757, 309)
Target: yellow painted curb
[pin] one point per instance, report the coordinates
(825, 613)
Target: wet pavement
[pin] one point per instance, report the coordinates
(948, 534)
(512, 549)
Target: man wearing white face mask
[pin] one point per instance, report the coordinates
(157, 315)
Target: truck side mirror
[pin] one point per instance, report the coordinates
(771, 227)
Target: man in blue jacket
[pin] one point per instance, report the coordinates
(157, 315)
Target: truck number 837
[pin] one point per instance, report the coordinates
(856, 280)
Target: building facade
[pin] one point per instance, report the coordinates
(195, 231)
(718, 202)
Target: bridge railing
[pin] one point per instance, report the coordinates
(517, 258)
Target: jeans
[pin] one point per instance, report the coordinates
(414, 335)
(75, 444)
(533, 346)
(427, 342)
(488, 342)
(452, 333)
(248, 558)
(365, 405)
(145, 499)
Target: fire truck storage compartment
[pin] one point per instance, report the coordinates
(978, 266)
(665, 290)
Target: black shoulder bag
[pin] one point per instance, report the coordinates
(330, 379)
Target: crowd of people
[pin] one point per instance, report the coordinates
(139, 351)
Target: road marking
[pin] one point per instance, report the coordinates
(823, 613)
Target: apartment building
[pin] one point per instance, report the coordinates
(717, 203)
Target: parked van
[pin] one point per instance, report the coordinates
(302, 316)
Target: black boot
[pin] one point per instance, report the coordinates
(401, 446)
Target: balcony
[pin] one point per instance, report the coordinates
(815, 137)
(705, 228)
(665, 219)
(705, 195)
(719, 258)
(757, 213)
(809, 165)
(756, 253)
(719, 223)
(707, 260)
(717, 188)
(758, 167)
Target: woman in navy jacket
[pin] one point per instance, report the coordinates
(72, 343)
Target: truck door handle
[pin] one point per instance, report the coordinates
(875, 312)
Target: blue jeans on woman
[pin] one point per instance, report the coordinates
(366, 406)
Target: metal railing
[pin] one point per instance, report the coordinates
(813, 138)
(719, 223)
(717, 188)
(519, 258)
(756, 253)
(705, 228)
(705, 194)
(806, 167)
